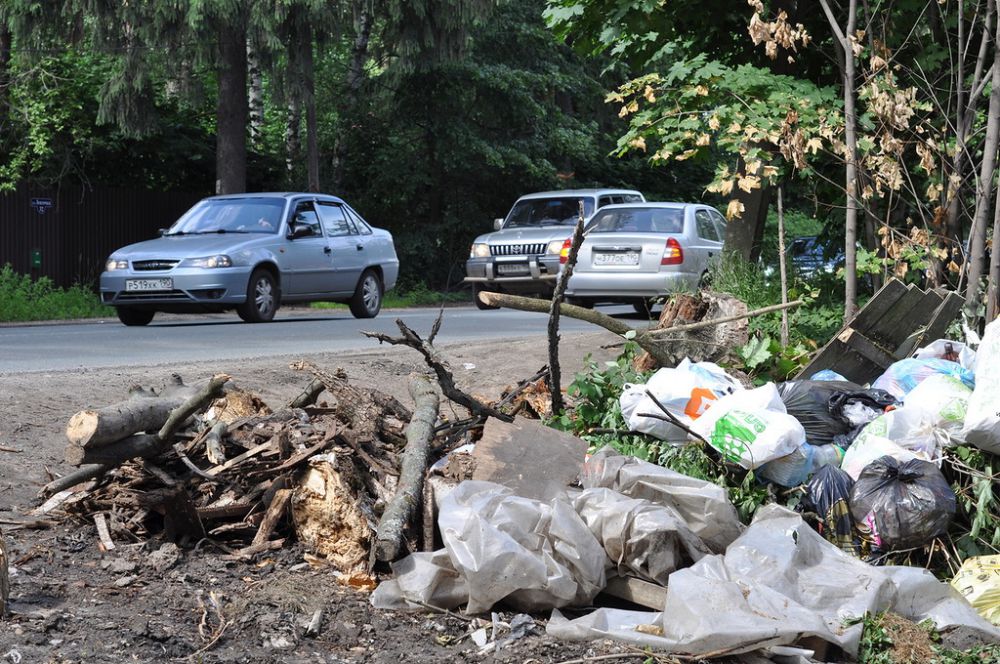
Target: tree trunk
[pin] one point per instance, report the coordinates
(406, 502)
(993, 279)
(293, 142)
(5, 47)
(231, 111)
(743, 234)
(851, 139)
(984, 188)
(783, 270)
(309, 99)
(256, 96)
(355, 77)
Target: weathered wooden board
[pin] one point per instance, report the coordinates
(637, 591)
(533, 460)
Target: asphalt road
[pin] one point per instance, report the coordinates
(168, 339)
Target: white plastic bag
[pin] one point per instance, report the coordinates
(960, 352)
(982, 422)
(686, 390)
(943, 400)
(751, 427)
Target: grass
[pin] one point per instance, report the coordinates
(23, 298)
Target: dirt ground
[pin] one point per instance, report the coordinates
(71, 602)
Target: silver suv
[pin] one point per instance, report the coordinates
(522, 255)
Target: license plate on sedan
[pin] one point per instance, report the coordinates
(630, 258)
(512, 268)
(149, 284)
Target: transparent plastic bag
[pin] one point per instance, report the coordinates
(982, 421)
(795, 468)
(903, 376)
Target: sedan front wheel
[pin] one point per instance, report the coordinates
(262, 298)
(134, 317)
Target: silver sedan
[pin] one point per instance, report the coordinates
(252, 252)
(632, 253)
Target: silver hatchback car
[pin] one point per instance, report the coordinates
(632, 253)
(253, 252)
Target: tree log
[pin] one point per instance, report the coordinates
(147, 446)
(144, 410)
(4, 578)
(213, 443)
(309, 395)
(653, 341)
(406, 502)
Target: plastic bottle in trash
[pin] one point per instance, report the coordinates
(795, 468)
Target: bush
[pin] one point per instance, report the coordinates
(23, 299)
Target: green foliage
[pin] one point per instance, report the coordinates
(889, 639)
(974, 476)
(25, 299)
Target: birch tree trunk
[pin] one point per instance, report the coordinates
(845, 38)
(984, 188)
(255, 98)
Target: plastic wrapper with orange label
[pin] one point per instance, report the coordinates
(687, 391)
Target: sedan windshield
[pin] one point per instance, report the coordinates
(548, 211)
(638, 220)
(231, 215)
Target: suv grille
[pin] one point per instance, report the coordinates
(517, 249)
(153, 265)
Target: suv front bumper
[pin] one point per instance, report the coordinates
(514, 273)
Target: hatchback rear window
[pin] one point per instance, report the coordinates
(647, 220)
(548, 211)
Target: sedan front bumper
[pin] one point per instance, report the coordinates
(189, 286)
(521, 274)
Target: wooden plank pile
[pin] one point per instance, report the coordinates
(898, 320)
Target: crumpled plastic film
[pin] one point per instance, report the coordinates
(642, 538)
(779, 582)
(704, 506)
(499, 546)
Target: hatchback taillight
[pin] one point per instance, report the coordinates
(672, 254)
(564, 252)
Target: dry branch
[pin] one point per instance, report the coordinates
(213, 443)
(654, 342)
(444, 376)
(406, 501)
(4, 577)
(309, 395)
(555, 388)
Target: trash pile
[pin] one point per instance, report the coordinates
(866, 461)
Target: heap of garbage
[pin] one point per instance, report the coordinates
(867, 460)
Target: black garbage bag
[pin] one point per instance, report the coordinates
(827, 496)
(830, 408)
(901, 505)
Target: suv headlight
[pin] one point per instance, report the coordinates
(479, 250)
(116, 264)
(554, 247)
(208, 262)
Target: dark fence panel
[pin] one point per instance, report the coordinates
(66, 234)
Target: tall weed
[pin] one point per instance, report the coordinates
(25, 299)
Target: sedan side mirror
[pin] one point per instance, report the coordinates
(497, 224)
(295, 231)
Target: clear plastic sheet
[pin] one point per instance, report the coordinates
(704, 506)
(779, 582)
(642, 538)
(982, 422)
(499, 546)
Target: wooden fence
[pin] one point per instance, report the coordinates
(67, 233)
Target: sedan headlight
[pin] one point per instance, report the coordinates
(115, 264)
(479, 250)
(554, 247)
(208, 262)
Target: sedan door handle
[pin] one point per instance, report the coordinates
(326, 250)
(360, 247)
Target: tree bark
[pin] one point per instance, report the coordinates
(783, 269)
(144, 410)
(406, 502)
(743, 234)
(255, 98)
(984, 189)
(355, 77)
(309, 99)
(993, 279)
(5, 47)
(555, 389)
(851, 139)
(231, 111)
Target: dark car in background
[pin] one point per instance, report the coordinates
(251, 253)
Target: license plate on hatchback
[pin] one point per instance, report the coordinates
(630, 258)
(133, 285)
